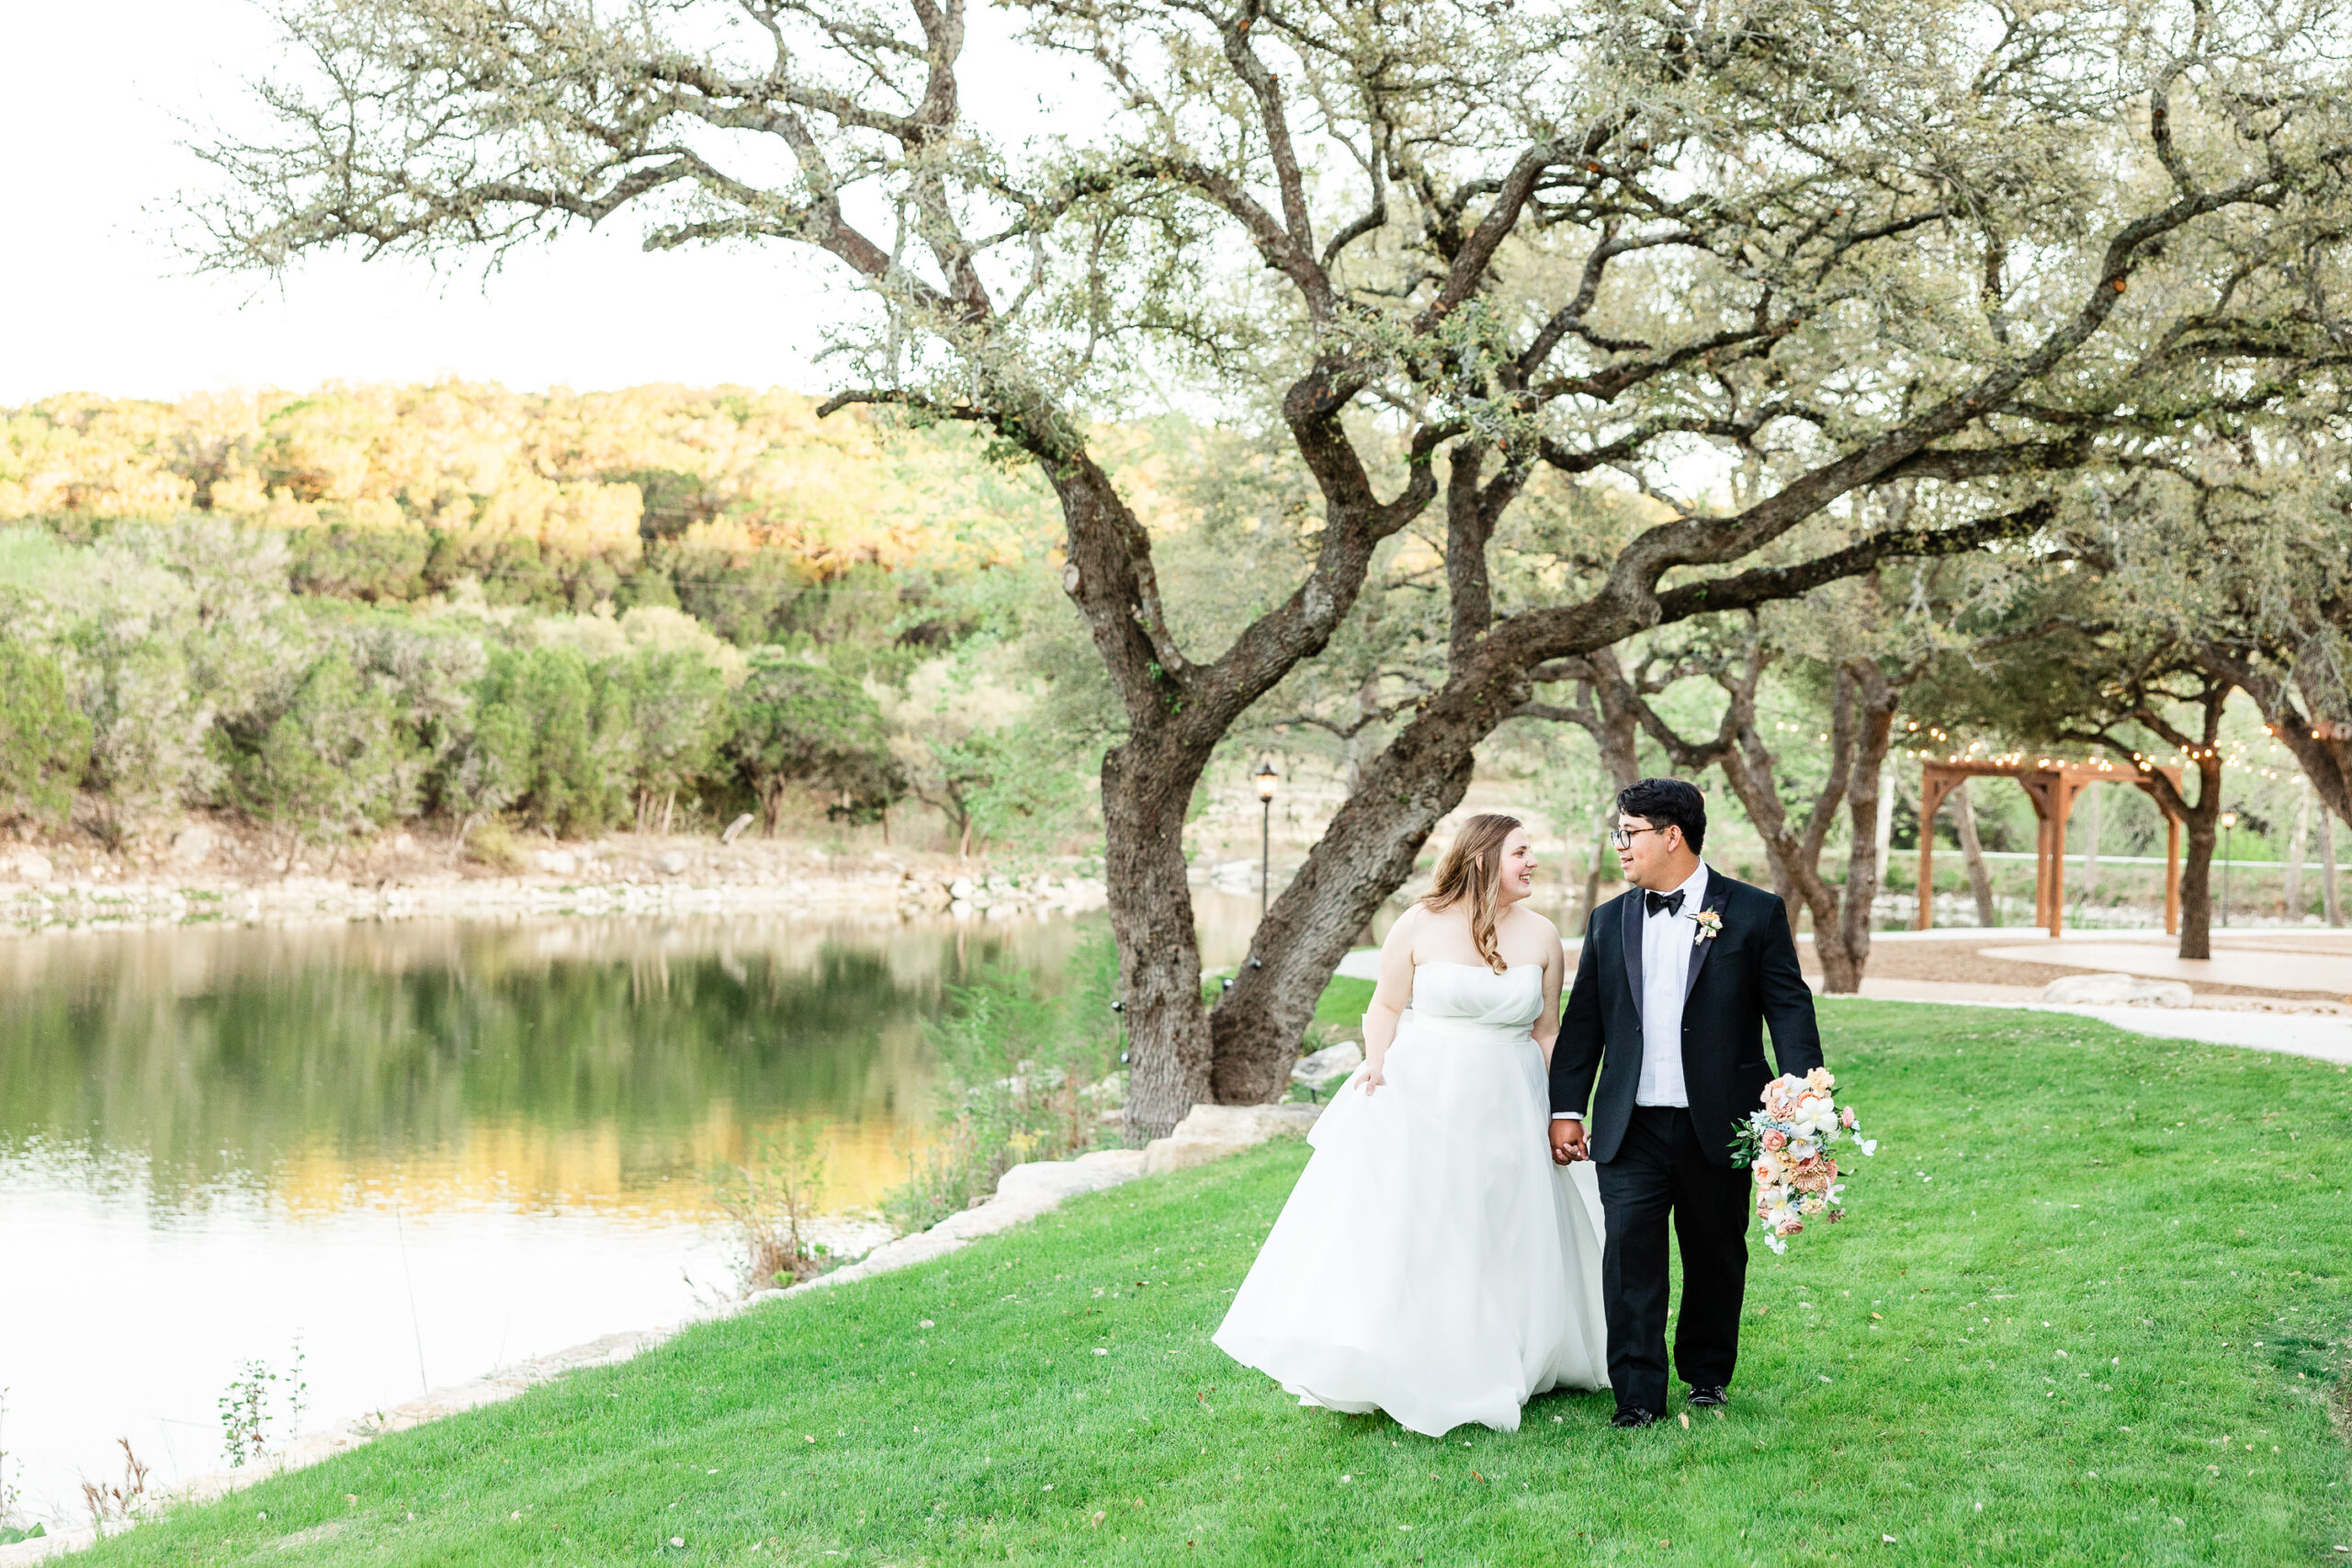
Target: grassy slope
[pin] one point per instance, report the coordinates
(1342, 1003)
(2171, 1218)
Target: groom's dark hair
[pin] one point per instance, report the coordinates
(1667, 803)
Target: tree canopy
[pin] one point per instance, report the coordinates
(1750, 263)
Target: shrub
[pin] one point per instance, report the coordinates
(492, 843)
(742, 594)
(677, 716)
(370, 564)
(543, 730)
(44, 740)
(801, 723)
(772, 1204)
(338, 763)
(1028, 1074)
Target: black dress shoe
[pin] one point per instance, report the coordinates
(1710, 1396)
(1633, 1416)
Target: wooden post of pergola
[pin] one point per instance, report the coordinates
(2052, 787)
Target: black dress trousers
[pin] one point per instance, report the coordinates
(1658, 1170)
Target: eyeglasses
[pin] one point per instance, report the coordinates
(1623, 837)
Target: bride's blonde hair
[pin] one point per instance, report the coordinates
(1472, 871)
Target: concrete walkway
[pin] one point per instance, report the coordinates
(2286, 960)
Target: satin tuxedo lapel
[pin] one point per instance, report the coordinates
(1718, 894)
(1632, 926)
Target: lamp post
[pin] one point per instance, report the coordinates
(1266, 779)
(2229, 821)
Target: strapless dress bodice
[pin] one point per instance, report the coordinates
(1471, 997)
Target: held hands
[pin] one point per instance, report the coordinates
(1567, 1141)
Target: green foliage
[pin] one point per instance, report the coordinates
(494, 844)
(44, 741)
(677, 708)
(2198, 1278)
(740, 594)
(1028, 1075)
(262, 1401)
(180, 649)
(1022, 791)
(544, 733)
(772, 1203)
(373, 565)
(149, 730)
(336, 762)
(801, 723)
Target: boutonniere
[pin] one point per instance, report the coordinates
(1710, 923)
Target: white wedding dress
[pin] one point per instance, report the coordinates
(1433, 1261)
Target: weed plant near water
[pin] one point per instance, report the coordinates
(247, 1416)
(1030, 1072)
(2090, 1308)
(772, 1203)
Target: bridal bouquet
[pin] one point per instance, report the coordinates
(1786, 1145)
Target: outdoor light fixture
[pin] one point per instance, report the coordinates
(1266, 779)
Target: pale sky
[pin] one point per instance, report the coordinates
(92, 296)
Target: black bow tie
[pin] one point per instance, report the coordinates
(1671, 902)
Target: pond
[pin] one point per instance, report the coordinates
(416, 1150)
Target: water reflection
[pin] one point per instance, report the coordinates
(423, 1148)
(579, 1063)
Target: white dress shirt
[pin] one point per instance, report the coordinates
(1668, 943)
(1667, 950)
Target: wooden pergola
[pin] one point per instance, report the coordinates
(2053, 788)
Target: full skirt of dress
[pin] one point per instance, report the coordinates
(1432, 1262)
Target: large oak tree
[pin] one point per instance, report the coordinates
(1827, 244)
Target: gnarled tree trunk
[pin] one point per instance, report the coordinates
(1863, 703)
(1145, 793)
(1972, 851)
(2201, 820)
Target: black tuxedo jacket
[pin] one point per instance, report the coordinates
(1739, 982)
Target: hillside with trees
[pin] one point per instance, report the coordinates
(327, 613)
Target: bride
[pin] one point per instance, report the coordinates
(1433, 1261)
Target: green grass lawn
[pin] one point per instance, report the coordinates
(2091, 1308)
(1342, 1003)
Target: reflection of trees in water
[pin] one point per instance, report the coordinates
(539, 1061)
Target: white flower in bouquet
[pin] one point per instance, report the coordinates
(1787, 1142)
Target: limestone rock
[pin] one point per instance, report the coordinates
(1320, 1069)
(2117, 990)
(557, 862)
(193, 845)
(1051, 1181)
(1211, 1132)
(1127, 1161)
(673, 862)
(27, 865)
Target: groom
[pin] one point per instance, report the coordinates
(1677, 981)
